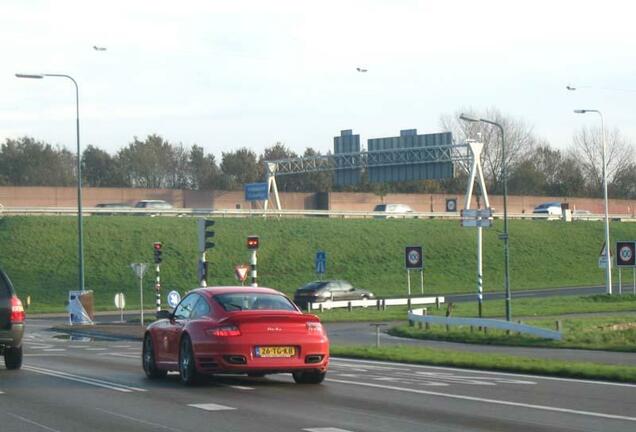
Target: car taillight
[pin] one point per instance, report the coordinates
(314, 327)
(17, 311)
(225, 331)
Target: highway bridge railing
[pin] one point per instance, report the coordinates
(209, 212)
(419, 316)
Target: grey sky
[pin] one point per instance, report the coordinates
(227, 74)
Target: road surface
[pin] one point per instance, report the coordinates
(95, 385)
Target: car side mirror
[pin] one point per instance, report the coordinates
(164, 314)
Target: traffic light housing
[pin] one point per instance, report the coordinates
(252, 242)
(157, 250)
(205, 233)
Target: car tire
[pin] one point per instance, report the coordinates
(148, 360)
(187, 369)
(309, 377)
(13, 358)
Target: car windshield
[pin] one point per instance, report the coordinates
(254, 301)
(380, 207)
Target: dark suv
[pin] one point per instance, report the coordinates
(11, 324)
(320, 291)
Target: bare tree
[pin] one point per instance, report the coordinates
(587, 146)
(519, 139)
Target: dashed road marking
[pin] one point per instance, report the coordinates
(490, 401)
(82, 379)
(95, 349)
(211, 407)
(54, 349)
(26, 420)
(327, 429)
(238, 387)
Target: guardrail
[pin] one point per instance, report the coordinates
(380, 304)
(208, 212)
(419, 315)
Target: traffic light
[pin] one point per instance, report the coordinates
(252, 242)
(157, 248)
(205, 233)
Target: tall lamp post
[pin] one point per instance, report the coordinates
(80, 234)
(608, 268)
(504, 236)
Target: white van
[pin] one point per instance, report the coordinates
(393, 211)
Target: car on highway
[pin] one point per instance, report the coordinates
(113, 206)
(548, 208)
(253, 331)
(390, 211)
(320, 291)
(11, 324)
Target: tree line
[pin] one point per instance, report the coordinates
(534, 166)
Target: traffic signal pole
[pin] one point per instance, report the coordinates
(157, 247)
(253, 272)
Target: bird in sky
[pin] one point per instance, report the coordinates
(359, 69)
(98, 48)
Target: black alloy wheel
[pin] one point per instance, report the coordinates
(13, 358)
(187, 369)
(313, 377)
(148, 360)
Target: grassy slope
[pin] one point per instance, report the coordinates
(40, 253)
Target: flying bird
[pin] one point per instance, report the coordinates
(361, 69)
(98, 48)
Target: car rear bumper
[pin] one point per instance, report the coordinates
(240, 357)
(12, 337)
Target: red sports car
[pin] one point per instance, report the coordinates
(256, 331)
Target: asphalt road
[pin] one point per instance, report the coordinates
(88, 385)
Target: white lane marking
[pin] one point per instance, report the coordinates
(238, 387)
(491, 401)
(211, 407)
(344, 361)
(26, 420)
(95, 349)
(132, 356)
(86, 380)
(327, 429)
(138, 420)
(54, 349)
(121, 346)
(1, 392)
(44, 355)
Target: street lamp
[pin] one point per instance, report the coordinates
(608, 269)
(80, 234)
(504, 236)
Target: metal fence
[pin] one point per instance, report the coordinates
(208, 212)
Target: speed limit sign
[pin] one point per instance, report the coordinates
(625, 254)
(413, 258)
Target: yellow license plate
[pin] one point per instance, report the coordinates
(275, 351)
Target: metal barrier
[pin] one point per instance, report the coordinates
(418, 315)
(379, 303)
(208, 212)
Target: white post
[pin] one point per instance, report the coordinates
(422, 280)
(620, 282)
(141, 297)
(608, 271)
(480, 288)
(408, 281)
(253, 272)
(634, 275)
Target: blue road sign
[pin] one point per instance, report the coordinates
(321, 262)
(256, 191)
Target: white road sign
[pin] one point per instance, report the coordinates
(120, 301)
(173, 299)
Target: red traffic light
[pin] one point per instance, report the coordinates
(252, 242)
(157, 245)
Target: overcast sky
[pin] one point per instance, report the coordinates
(228, 74)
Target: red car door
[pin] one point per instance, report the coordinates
(170, 334)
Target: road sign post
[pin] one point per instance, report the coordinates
(625, 257)
(140, 270)
(253, 243)
(120, 303)
(414, 260)
(321, 263)
(240, 271)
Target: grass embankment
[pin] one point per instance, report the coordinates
(496, 362)
(40, 254)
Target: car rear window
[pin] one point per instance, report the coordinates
(254, 301)
(380, 207)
